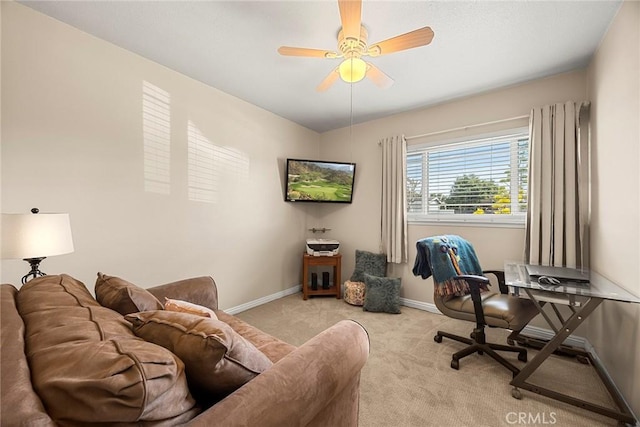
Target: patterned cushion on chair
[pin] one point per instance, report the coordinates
(354, 292)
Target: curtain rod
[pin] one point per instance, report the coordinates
(466, 127)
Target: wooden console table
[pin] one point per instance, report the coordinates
(313, 261)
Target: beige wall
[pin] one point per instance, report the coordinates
(614, 89)
(358, 226)
(73, 141)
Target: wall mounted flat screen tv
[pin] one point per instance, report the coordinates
(319, 181)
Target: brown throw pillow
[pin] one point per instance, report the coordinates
(124, 297)
(217, 359)
(188, 307)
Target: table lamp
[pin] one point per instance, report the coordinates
(35, 236)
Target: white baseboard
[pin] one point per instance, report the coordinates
(425, 306)
(546, 334)
(255, 303)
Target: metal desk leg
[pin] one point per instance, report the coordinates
(564, 349)
(544, 314)
(520, 380)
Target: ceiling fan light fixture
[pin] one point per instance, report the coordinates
(352, 45)
(352, 70)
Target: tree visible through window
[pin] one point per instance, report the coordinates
(480, 180)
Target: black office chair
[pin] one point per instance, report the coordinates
(496, 309)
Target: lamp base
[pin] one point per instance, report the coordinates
(35, 269)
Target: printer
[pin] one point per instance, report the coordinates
(323, 247)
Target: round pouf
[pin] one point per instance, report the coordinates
(354, 292)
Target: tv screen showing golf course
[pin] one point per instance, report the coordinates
(319, 181)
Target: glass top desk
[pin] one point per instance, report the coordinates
(582, 300)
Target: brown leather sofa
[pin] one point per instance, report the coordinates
(66, 360)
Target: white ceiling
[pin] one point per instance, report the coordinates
(232, 46)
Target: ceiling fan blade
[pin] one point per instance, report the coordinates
(328, 81)
(351, 17)
(420, 37)
(302, 51)
(378, 77)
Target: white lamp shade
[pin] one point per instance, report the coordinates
(35, 235)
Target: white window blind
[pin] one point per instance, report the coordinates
(474, 180)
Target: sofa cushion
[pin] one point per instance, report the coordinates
(20, 405)
(88, 366)
(217, 360)
(124, 297)
(188, 307)
(382, 294)
(369, 263)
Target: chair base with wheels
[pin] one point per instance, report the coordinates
(477, 344)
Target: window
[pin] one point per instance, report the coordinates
(476, 180)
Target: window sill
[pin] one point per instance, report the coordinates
(465, 223)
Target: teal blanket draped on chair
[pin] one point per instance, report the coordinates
(446, 257)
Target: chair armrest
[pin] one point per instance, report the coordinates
(198, 290)
(473, 279)
(305, 387)
(502, 283)
(474, 286)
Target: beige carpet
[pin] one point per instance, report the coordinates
(408, 381)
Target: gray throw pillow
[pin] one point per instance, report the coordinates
(382, 294)
(369, 263)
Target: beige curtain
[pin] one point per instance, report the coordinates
(394, 200)
(557, 229)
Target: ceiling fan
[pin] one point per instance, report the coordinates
(352, 46)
